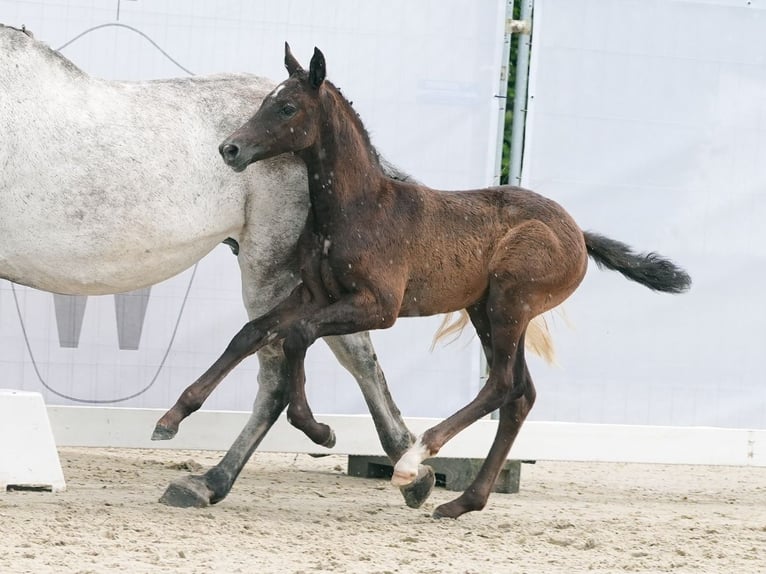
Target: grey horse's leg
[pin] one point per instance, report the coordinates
(270, 401)
(357, 355)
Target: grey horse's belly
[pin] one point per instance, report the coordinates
(80, 249)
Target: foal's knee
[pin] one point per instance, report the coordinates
(298, 339)
(245, 341)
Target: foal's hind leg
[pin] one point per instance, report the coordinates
(533, 269)
(505, 318)
(512, 416)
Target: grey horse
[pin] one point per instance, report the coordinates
(108, 187)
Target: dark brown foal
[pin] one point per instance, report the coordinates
(384, 249)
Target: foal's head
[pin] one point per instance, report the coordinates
(287, 121)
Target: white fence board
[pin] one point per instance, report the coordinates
(215, 430)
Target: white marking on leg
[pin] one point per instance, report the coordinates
(406, 469)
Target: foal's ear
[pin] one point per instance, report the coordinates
(317, 69)
(291, 63)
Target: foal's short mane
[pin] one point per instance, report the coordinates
(388, 169)
(356, 121)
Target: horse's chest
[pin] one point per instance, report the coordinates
(327, 271)
(318, 267)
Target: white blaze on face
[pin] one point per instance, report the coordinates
(278, 89)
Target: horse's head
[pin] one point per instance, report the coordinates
(287, 121)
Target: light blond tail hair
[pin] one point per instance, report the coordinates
(538, 339)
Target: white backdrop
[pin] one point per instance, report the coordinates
(647, 120)
(423, 76)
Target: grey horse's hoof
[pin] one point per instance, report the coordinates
(418, 491)
(163, 433)
(189, 491)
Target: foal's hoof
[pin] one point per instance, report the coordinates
(455, 508)
(403, 479)
(444, 512)
(187, 492)
(162, 432)
(330, 442)
(417, 492)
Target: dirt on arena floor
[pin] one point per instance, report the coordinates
(296, 514)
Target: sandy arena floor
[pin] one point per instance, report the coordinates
(295, 514)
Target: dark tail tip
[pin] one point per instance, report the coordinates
(649, 269)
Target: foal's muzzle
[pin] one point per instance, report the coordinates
(232, 156)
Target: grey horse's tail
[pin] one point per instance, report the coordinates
(648, 269)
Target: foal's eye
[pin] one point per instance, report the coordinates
(288, 110)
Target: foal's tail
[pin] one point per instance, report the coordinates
(649, 269)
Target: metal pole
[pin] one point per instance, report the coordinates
(520, 99)
(502, 92)
(522, 27)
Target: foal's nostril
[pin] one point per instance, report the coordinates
(229, 151)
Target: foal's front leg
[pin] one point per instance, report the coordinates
(252, 337)
(298, 410)
(353, 314)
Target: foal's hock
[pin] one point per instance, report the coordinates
(374, 249)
